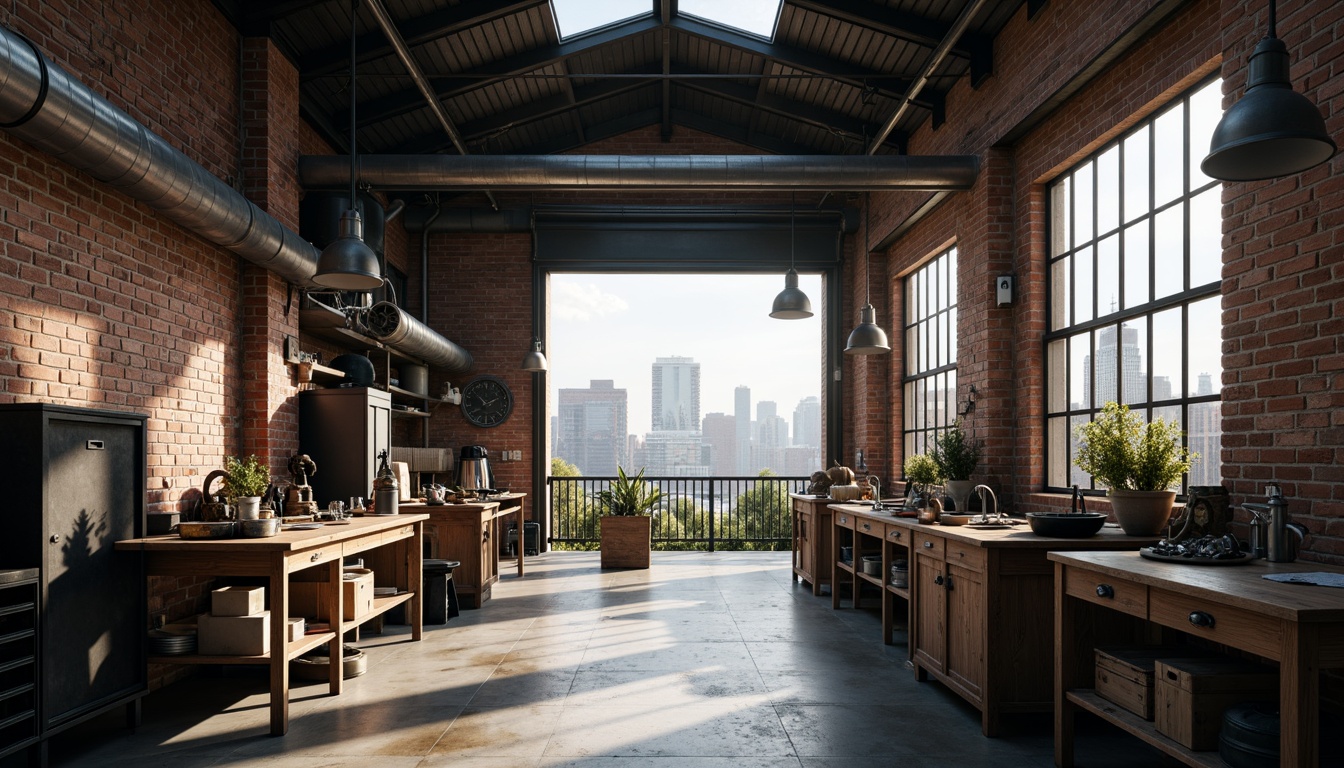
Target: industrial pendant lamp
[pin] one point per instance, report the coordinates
(867, 338)
(791, 303)
(348, 263)
(534, 360)
(1273, 130)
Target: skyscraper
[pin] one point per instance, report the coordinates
(1129, 372)
(720, 435)
(742, 419)
(676, 394)
(592, 427)
(807, 422)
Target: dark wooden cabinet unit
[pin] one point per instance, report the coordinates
(343, 429)
(78, 487)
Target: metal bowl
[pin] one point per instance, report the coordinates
(1066, 525)
(215, 530)
(259, 529)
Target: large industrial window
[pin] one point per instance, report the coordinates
(1135, 266)
(930, 382)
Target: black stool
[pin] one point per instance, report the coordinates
(440, 595)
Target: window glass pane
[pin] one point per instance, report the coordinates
(1082, 205)
(1077, 476)
(940, 347)
(1169, 413)
(1167, 336)
(1204, 436)
(1108, 190)
(1059, 216)
(1134, 361)
(930, 344)
(574, 17)
(1204, 325)
(1169, 246)
(1082, 286)
(952, 277)
(1060, 317)
(952, 335)
(1136, 174)
(1080, 378)
(1105, 366)
(756, 17)
(1059, 452)
(1206, 109)
(1136, 265)
(1108, 275)
(911, 350)
(1057, 354)
(1206, 237)
(1169, 156)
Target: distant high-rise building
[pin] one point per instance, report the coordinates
(742, 418)
(765, 409)
(807, 422)
(674, 453)
(676, 394)
(719, 433)
(773, 438)
(1130, 371)
(592, 428)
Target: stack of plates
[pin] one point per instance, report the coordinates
(172, 640)
(384, 591)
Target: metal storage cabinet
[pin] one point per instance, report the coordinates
(19, 726)
(343, 429)
(77, 487)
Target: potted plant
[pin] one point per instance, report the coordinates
(245, 480)
(628, 501)
(922, 473)
(957, 456)
(1138, 463)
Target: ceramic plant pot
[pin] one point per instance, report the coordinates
(1142, 513)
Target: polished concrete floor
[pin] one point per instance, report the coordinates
(704, 660)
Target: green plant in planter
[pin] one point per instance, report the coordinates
(629, 495)
(922, 472)
(955, 453)
(1121, 452)
(246, 477)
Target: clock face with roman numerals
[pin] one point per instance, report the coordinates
(486, 401)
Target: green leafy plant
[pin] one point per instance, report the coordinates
(922, 470)
(955, 453)
(246, 477)
(629, 495)
(1119, 451)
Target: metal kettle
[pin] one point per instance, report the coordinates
(473, 469)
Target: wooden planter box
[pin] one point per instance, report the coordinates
(625, 541)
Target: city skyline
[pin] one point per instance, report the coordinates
(615, 327)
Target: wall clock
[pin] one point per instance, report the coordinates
(486, 401)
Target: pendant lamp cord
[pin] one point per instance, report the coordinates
(354, 13)
(1273, 20)
(867, 268)
(793, 202)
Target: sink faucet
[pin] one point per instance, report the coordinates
(877, 491)
(993, 505)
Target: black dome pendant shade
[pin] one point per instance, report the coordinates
(348, 263)
(791, 303)
(1272, 130)
(867, 338)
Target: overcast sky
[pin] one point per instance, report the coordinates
(614, 326)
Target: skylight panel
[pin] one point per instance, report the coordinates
(576, 17)
(755, 17)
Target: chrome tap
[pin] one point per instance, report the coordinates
(876, 485)
(994, 504)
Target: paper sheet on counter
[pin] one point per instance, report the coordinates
(1318, 578)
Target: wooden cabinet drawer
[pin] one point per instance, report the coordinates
(1219, 623)
(965, 555)
(930, 546)
(864, 525)
(1124, 596)
(300, 560)
(844, 520)
(898, 535)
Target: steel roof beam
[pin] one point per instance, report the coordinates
(892, 22)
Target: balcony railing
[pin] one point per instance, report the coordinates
(696, 513)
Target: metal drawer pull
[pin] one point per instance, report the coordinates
(928, 545)
(315, 557)
(938, 579)
(1105, 590)
(866, 527)
(948, 582)
(1201, 619)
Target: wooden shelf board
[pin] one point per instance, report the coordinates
(846, 567)
(381, 604)
(898, 591)
(1089, 701)
(292, 650)
(877, 580)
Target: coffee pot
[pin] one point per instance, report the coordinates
(473, 469)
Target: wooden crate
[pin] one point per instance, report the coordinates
(625, 541)
(1125, 674)
(1191, 696)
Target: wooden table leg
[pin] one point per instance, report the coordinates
(279, 589)
(335, 599)
(1299, 696)
(522, 538)
(415, 583)
(1065, 641)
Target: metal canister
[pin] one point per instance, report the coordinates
(386, 491)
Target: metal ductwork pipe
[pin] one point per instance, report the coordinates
(442, 219)
(46, 107)
(822, 173)
(391, 325)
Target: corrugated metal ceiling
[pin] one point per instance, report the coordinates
(834, 73)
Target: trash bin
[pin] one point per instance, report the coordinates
(531, 539)
(440, 596)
